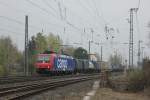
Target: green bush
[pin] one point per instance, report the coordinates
(136, 80)
(2, 70)
(146, 69)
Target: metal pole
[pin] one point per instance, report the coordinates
(89, 48)
(142, 52)
(92, 33)
(131, 37)
(139, 53)
(101, 53)
(26, 68)
(101, 56)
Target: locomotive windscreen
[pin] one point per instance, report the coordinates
(43, 58)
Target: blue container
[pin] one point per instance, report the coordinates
(64, 63)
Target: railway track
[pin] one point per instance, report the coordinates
(16, 79)
(31, 88)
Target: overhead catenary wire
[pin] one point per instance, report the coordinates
(89, 10)
(11, 19)
(105, 24)
(81, 30)
(138, 27)
(32, 27)
(43, 9)
(98, 15)
(17, 21)
(46, 11)
(72, 13)
(137, 20)
(48, 4)
(86, 8)
(18, 10)
(11, 32)
(68, 23)
(101, 13)
(71, 24)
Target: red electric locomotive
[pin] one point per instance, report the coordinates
(45, 62)
(52, 63)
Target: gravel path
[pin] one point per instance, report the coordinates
(108, 94)
(69, 92)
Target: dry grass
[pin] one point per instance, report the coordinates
(108, 94)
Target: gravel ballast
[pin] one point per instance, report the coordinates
(70, 92)
(109, 94)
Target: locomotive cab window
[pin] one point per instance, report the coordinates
(43, 59)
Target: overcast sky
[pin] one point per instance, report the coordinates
(78, 18)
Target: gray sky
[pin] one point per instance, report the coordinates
(53, 15)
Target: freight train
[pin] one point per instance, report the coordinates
(56, 64)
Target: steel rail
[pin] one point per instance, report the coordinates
(16, 79)
(27, 90)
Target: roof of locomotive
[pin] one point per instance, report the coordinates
(58, 55)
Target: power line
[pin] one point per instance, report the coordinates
(9, 31)
(60, 11)
(47, 3)
(73, 26)
(89, 4)
(72, 12)
(16, 21)
(6, 5)
(99, 15)
(137, 21)
(11, 19)
(88, 10)
(43, 9)
(97, 12)
(80, 19)
(138, 27)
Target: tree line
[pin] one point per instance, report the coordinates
(10, 56)
(12, 60)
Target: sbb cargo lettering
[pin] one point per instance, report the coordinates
(62, 63)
